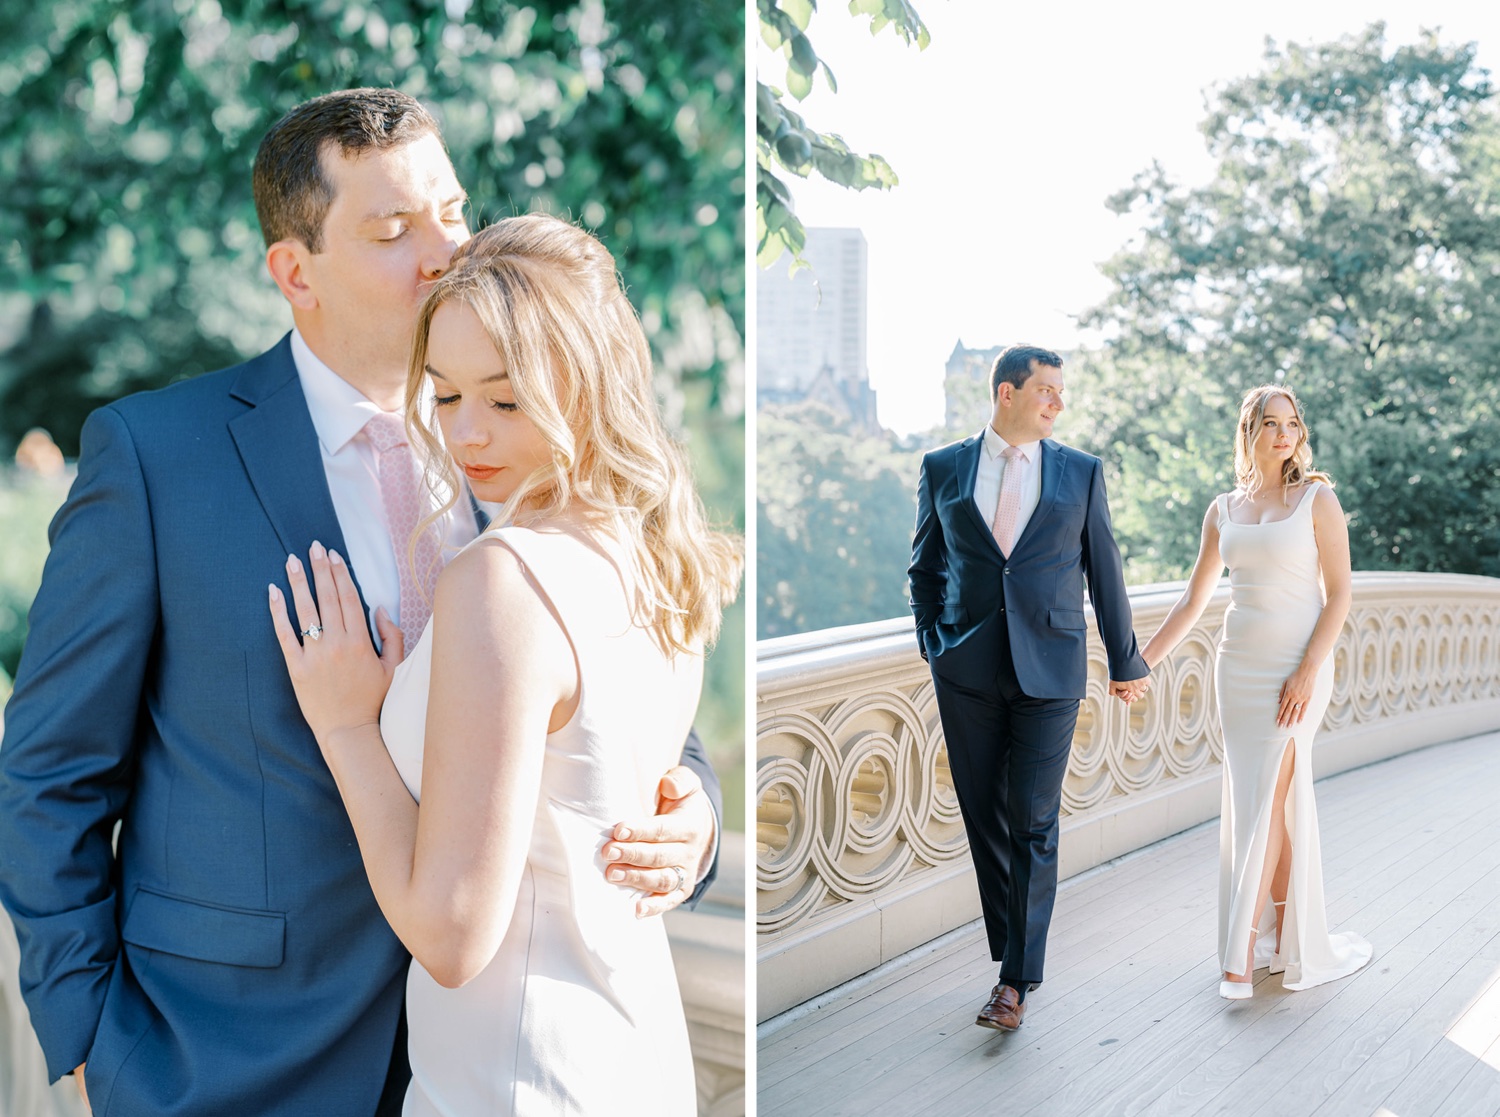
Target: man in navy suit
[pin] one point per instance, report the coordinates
(1010, 528)
(224, 954)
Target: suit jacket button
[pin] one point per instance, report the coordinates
(1007, 570)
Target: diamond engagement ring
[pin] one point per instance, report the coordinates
(681, 878)
(315, 632)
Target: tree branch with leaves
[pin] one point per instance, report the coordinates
(785, 142)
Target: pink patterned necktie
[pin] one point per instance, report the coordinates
(401, 491)
(1009, 507)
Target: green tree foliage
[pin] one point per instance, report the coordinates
(834, 513)
(130, 237)
(784, 139)
(129, 244)
(27, 503)
(1348, 245)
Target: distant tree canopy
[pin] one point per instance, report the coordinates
(834, 514)
(1348, 245)
(129, 240)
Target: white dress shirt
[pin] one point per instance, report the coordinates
(339, 412)
(991, 470)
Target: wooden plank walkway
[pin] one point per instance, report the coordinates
(1129, 1020)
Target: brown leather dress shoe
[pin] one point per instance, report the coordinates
(1003, 1010)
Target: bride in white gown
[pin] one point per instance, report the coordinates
(557, 677)
(1282, 534)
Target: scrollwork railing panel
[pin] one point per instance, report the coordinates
(854, 798)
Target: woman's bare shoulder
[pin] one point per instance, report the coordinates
(1326, 502)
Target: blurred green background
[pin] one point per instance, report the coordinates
(131, 256)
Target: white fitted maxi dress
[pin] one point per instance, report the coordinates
(1275, 602)
(578, 1013)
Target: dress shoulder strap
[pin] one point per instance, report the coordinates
(1308, 497)
(1222, 501)
(577, 575)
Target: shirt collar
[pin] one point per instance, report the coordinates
(994, 445)
(339, 410)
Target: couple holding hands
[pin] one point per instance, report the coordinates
(450, 729)
(1011, 526)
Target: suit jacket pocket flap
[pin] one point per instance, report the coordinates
(953, 614)
(1065, 618)
(232, 936)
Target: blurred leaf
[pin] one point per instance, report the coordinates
(801, 57)
(799, 85)
(799, 11)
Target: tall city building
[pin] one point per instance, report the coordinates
(810, 328)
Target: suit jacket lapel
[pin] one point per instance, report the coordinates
(966, 464)
(278, 445)
(1052, 470)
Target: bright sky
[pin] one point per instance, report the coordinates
(1008, 133)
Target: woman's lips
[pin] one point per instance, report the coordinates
(481, 472)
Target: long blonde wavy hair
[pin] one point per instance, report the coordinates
(550, 299)
(1297, 468)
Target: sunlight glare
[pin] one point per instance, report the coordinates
(1478, 1028)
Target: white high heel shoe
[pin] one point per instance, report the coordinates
(1241, 990)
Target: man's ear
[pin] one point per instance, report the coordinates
(287, 262)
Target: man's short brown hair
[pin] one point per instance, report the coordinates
(292, 195)
(1014, 366)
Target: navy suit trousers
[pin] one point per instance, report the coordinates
(1008, 754)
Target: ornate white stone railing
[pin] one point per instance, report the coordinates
(860, 851)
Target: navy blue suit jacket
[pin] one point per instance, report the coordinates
(961, 582)
(229, 956)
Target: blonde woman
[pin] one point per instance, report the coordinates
(1282, 534)
(556, 679)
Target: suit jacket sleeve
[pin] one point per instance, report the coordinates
(695, 756)
(928, 572)
(1106, 581)
(70, 739)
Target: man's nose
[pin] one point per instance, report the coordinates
(439, 252)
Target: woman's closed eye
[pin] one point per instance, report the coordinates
(498, 405)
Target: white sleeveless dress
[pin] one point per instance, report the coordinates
(578, 1013)
(1275, 602)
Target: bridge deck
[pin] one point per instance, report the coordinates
(1129, 1021)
